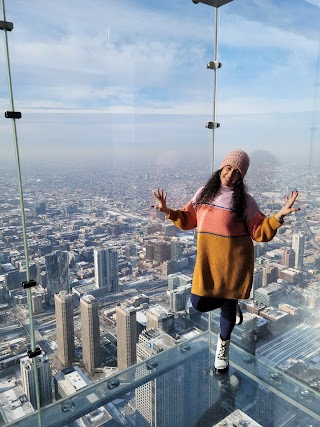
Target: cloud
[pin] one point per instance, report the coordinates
(132, 46)
(75, 78)
(313, 2)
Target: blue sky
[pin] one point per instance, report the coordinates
(127, 79)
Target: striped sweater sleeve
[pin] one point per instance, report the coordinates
(260, 227)
(185, 219)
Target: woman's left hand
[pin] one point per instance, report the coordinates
(287, 208)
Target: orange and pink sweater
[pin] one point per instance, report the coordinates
(225, 260)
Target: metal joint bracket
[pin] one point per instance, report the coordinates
(214, 3)
(31, 284)
(37, 352)
(13, 115)
(5, 25)
(213, 65)
(212, 125)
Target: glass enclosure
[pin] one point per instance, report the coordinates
(118, 99)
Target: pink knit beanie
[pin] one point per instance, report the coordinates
(238, 159)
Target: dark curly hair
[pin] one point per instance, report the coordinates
(212, 189)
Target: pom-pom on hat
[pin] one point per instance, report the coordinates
(238, 159)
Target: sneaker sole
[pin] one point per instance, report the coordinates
(221, 371)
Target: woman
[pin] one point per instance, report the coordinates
(227, 219)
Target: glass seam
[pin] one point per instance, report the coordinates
(23, 219)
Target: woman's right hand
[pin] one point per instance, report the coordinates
(161, 197)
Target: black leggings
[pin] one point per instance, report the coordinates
(228, 311)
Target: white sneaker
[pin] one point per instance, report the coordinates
(239, 315)
(221, 362)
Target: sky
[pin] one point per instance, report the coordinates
(126, 80)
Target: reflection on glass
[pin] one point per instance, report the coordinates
(110, 117)
(178, 378)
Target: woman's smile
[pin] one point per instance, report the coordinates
(229, 176)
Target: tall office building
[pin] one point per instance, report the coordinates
(65, 327)
(176, 249)
(12, 279)
(270, 295)
(245, 335)
(193, 316)
(158, 317)
(288, 258)
(170, 399)
(106, 269)
(156, 405)
(178, 298)
(257, 281)
(41, 209)
(69, 381)
(298, 241)
(158, 251)
(90, 331)
(130, 250)
(44, 377)
(173, 281)
(57, 267)
(37, 305)
(265, 406)
(127, 336)
(169, 229)
(256, 249)
(269, 275)
(177, 279)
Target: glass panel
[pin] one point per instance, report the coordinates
(271, 101)
(81, 197)
(18, 396)
(14, 324)
(176, 388)
(110, 114)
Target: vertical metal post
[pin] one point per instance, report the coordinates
(216, 14)
(214, 87)
(23, 219)
(213, 65)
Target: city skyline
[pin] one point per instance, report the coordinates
(74, 213)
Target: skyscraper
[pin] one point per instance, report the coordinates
(265, 406)
(176, 249)
(90, 331)
(65, 327)
(288, 258)
(158, 317)
(127, 336)
(269, 274)
(69, 381)
(158, 251)
(106, 269)
(178, 298)
(298, 241)
(193, 316)
(44, 377)
(177, 279)
(257, 281)
(57, 267)
(41, 209)
(155, 404)
(171, 399)
(37, 305)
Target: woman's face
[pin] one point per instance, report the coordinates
(229, 176)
